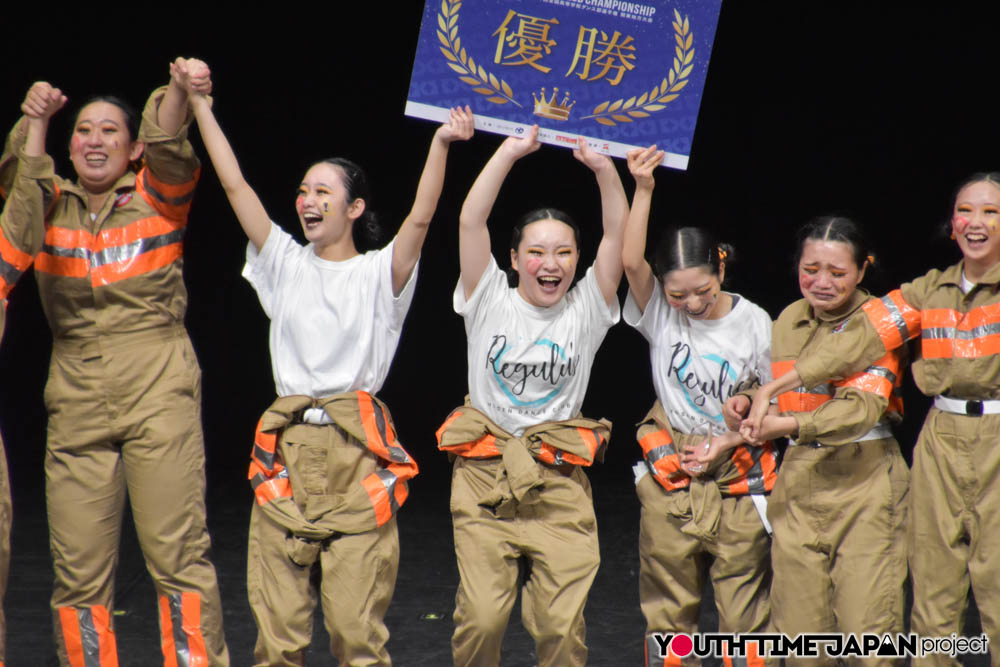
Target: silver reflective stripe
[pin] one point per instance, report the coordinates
(260, 478)
(57, 251)
(9, 272)
(955, 333)
(660, 452)
(739, 662)
(881, 371)
(159, 196)
(397, 455)
(389, 482)
(264, 456)
(825, 389)
(89, 638)
(653, 656)
(180, 637)
(897, 318)
(129, 251)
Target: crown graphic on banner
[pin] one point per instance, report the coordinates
(551, 108)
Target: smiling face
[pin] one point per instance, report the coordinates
(545, 261)
(695, 291)
(828, 274)
(976, 226)
(324, 212)
(101, 147)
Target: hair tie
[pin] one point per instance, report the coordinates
(871, 259)
(722, 255)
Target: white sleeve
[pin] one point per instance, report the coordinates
(645, 322)
(491, 287)
(267, 269)
(762, 332)
(392, 309)
(597, 313)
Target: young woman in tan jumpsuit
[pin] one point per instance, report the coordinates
(956, 462)
(839, 506)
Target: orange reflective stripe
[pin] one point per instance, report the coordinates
(798, 400)
(265, 444)
(483, 448)
(368, 422)
(743, 460)
(379, 496)
(13, 262)
(894, 320)
(592, 439)
(88, 637)
(779, 368)
(949, 334)
(801, 401)
(447, 422)
(658, 450)
(556, 456)
(171, 200)
(875, 384)
(269, 484)
(180, 622)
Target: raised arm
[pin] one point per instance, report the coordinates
(410, 238)
(41, 102)
(173, 107)
(246, 205)
(473, 235)
(614, 211)
(641, 281)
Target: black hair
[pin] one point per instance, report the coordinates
(131, 115)
(535, 216)
(689, 247)
(838, 229)
(365, 231)
(131, 119)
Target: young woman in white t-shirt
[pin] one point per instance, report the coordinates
(521, 504)
(701, 489)
(328, 481)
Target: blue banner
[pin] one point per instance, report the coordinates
(622, 74)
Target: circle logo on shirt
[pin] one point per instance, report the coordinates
(547, 372)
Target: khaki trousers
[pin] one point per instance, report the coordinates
(125, 415)
(953, 537)
(677, 550)
(554, 529)
(839, 519)
(358, 571)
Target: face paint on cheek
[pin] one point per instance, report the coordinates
(806, 281)
(326, 207)
(992, 225)
(300, 204)
(76, 144)
(533, 265)
(958, 224)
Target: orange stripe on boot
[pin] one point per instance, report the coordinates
(85, 629)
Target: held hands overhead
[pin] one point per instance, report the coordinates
(193, 76)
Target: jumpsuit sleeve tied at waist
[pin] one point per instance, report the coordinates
(747, 470)
(312, 518)
(469, 433)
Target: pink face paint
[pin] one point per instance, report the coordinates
(959, 223)
(533, 265)
(300, 204)
(76, 144)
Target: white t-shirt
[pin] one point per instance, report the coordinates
(527, 364)
(698, 364)
(334, 325)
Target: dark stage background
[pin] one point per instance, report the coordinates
(874, 110)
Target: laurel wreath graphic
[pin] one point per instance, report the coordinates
(623, 111)
(485, 83)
